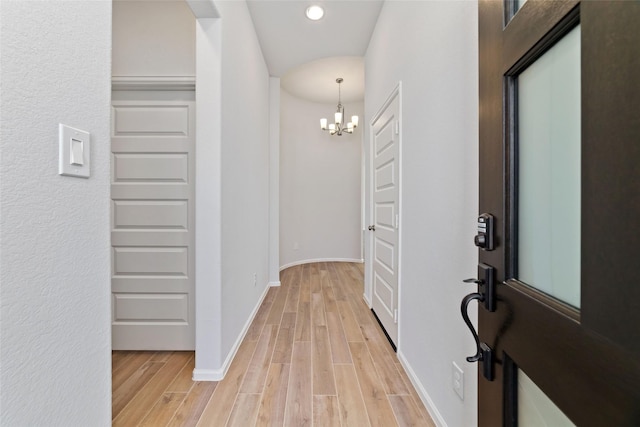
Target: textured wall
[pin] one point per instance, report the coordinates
(54, 230)
(432, 47)
(319, 184)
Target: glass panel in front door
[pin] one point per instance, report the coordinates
(548, 171)
(535, 409)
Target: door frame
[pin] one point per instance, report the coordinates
(368, 282)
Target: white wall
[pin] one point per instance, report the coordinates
(208, 200)
(54, 230)
(320, 195)
(245, 170)
(431, 47)
(153, 38)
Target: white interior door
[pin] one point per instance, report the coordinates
(152, 225)
(385, 133)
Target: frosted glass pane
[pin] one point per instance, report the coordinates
(549, 171)
(535, 409)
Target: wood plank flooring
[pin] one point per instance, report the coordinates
(313, 356)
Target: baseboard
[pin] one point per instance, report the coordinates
(218, 374)
(367, 301)
(274, 284)
(311, 261)
(424, 396)
(207, 375)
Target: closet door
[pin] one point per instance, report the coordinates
(152, 220)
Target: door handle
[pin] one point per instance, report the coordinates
(464, 307)
(372, 228)
(486, 294)
(484, 353)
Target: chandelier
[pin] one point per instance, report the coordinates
(339, 127)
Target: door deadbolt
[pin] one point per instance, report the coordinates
(485, 237)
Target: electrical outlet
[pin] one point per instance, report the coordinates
(457, 380)
(255, 279)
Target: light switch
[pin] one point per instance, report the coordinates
(75, 152)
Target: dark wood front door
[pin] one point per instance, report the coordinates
(560, 173)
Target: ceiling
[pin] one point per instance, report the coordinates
(308, 55)
(316, 80)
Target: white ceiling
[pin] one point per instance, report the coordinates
(316, 80)
(290, 42)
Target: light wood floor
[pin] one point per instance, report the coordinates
(314, 355)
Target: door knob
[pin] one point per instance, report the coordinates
(372, 228)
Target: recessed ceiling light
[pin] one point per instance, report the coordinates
(315, 12)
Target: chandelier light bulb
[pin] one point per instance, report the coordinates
(354, 120)
(338, 118)
(323, 123)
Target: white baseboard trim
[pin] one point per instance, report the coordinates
(424, 396)
(207, 375)
(274, 284)
(366, 300)
(218, 374)
(311, 261)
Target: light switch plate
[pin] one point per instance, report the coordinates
(75, 152)
(457, 380)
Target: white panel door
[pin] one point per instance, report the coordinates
(385, 132)
(152, 225)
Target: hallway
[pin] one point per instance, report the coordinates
(314, 355)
